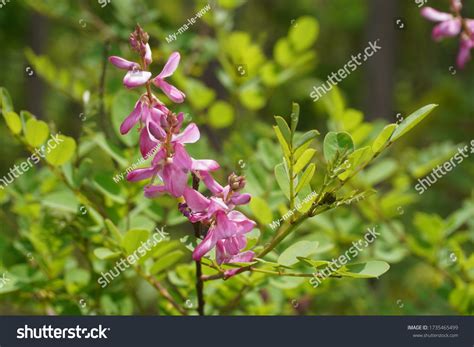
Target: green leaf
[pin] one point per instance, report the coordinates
(283, 143)
(133, 239)
(5, 101)
(64, 151)
(221, 114)
(252, 97)
(282, 179)
(380, 171)
(261, 210)
(110, 149)
(305, 198)
(313, 263)
(63, 200)
(113, 230)
(382, 139)
(295, 115)
(166, 262)
(283, 53)
(13, 121)
(304, 33)
(337, 143)
(371, 269)
(303, 160)
(290, 255)
(199, 94)
(357, 159)
(306, 177)
(305, 138)
(411, 121)
(105, 184)
(105, 253)
(351, 119)
(36, 132)
(84, 170)
(285, 130)
(123, 104)
(75, 279)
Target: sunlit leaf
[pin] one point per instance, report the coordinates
(383, 138)
(63, 152)
(261, 210)
(411, 121)
(36, 132)
(300, 249)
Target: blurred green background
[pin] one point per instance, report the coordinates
(53, 64)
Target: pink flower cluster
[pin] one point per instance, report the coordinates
(451, 25)
(161, 128)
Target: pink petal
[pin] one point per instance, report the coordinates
(242, 223)
(210, 182)
(449, 28)
(195, 200)
(159, 157)
(221, 255)
(175, 180)
(470, 24)
(170, 65)
(217, 204)
(135, 78)
(435, 15)
(224, 227)
(141, 174)
(205, 165)
(244, 257)
(155, 132)
(123, 64)
(147, 145)
(180, 119)
(171, 91)
(240, 199)
(132, 119)
(181, 158)
(464, 54)
(456, 5)
(154, 191)
(206, 245)
(148, 59)
(189, 135)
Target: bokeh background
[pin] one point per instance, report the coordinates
(242, 63)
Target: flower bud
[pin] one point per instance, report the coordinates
(236, 182)
(456, 5)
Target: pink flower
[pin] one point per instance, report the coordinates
(227, 227)
(229, 230)
(464, 55)
(135, 76)
(448, 26)
(173, 170)
(171, 91)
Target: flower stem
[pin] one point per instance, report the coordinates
(199, 280)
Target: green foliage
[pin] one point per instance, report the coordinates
(65, 220)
